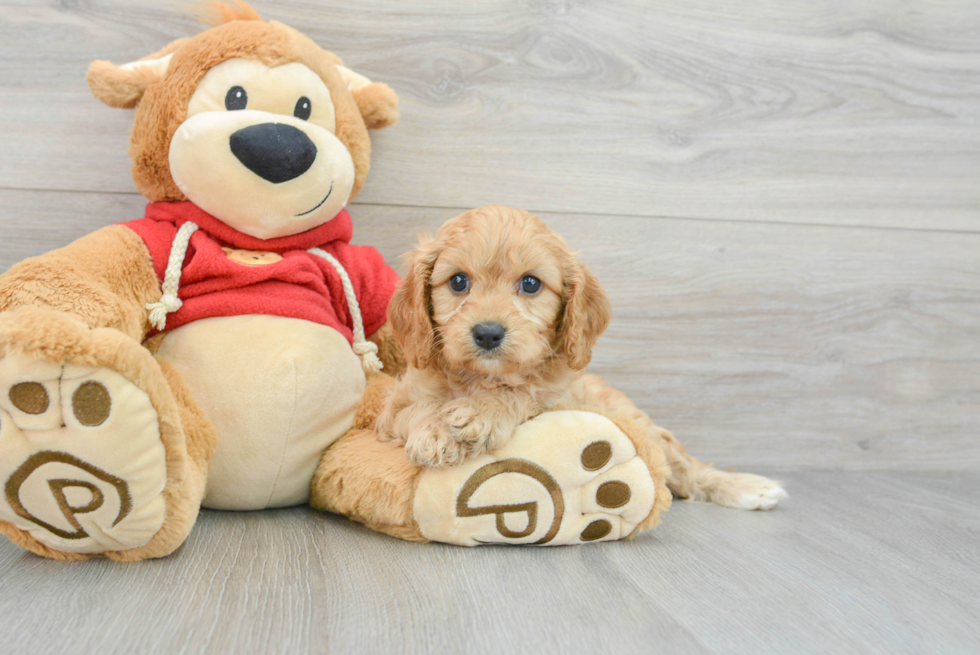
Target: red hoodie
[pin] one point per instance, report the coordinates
(293, 283)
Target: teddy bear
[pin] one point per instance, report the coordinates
(226, 349)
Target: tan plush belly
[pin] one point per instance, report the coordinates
(278, 390)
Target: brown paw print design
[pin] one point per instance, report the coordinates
(611, 494)
(82, 466)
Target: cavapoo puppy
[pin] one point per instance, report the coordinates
(497, 319)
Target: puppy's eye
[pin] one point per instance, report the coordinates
(530, 285)
(236, 98)
(459, 283)
(303, 108)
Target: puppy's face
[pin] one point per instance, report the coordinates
(496, 297)
(496, 291)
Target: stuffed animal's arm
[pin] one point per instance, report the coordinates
(105, 278)
(389, 351)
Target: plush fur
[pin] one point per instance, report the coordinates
(105, 279)
(458, 400)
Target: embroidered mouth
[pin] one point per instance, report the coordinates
(310, 211)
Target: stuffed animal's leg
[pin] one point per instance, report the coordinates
(365, 479)
(566, 477)
(102, 453)
(689, 478)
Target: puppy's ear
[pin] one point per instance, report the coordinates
(410, 310)
(377, 103)
(586, 315)
(123, 86)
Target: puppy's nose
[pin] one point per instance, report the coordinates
(488, 335)
(274, 151)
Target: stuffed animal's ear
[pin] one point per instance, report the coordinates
(586, 315)
(409, 310)
(123, 86)
(377, 102)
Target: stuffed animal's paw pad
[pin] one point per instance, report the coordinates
(566, 477)
(82, 467)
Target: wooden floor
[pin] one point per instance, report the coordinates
(869, 562)
(782, 199)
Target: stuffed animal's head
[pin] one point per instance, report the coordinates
(251, 121)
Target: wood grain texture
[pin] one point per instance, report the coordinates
(853, 563)
(782, 346)
(858, 113)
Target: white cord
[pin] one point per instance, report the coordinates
(367, 350)
(169, 302)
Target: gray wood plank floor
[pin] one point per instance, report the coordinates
(876, 562)
(782, 199)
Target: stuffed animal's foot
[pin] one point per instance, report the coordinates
(81, 461)
(565, 477)
(94, 454)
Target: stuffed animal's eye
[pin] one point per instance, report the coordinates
(459, 283)
(303, 108)
(530, 285)
(236, 98)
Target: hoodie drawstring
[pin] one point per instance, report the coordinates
(170, 303)
(366, 350)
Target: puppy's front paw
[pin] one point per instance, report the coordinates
(386, 436)
(434, 448)
(467, 425)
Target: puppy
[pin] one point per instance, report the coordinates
(497, 319)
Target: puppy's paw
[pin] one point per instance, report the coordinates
(748, 491)
(762, 493)
(466, 424)
(434, 448)
(386, 436)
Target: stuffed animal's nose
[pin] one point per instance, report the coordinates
(488, 335)
(274, 151)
